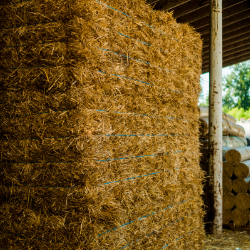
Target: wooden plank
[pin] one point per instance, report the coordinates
(228, 28)
(235, 55)
(230, 35)
(233, 46)
(240, 50)
(169, 4)
(229, 15)
(236, 60)
(188, 7)
(241, 19)
(194, 16)
(229, 9)
(236, 41)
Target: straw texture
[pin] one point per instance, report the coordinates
(243, 201)
(227, 185)
(237, 155)
(242, 169)
(240, 185)
(240, 217)
(204, 112)
(231, 142)
(228, 128)
(228, 169)
(99, 127)
(228, 201)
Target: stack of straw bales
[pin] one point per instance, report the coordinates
(229, 126)
(236, 180)
(232, 143)
(99, 127)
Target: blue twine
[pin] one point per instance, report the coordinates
(77, 138)
(123, 55)
(138, 41)
(28, 25)
(133, 178)
(139, 156)
(126, 78)
(15, 2)
(135, 60)
(132, 157)
(142, 217)
(134, 79)
(99, 110)
(178, 239)
(24, 237)
(133, 18)
(159, 229)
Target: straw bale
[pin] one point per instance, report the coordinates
(229, 239)
(228, 141)
(234, 142)
(99, 133)
(242, 169)
(240, 217)
(240, 185)
(204, 112)
(228, 201)
(228, 128)
(227, 185)
(204, 127)
(238, 155)
(228, 169)
(243, 201)
(227, 215)
(236, 130)
(224, 150)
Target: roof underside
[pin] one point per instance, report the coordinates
(235, 21)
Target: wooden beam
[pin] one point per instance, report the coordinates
(228, 42)
(229, 58)
(169, 4)
(239, 50)
(228, 28)
(235, 55)
(204, 11)
(228, 47)
(194, 16)
(230, 35)
(188, 7)
(230, 62)
(230, 15)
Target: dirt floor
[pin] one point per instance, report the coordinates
(235, 240)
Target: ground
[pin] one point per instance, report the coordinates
(235, 240)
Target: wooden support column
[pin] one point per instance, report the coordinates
(215, 114)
